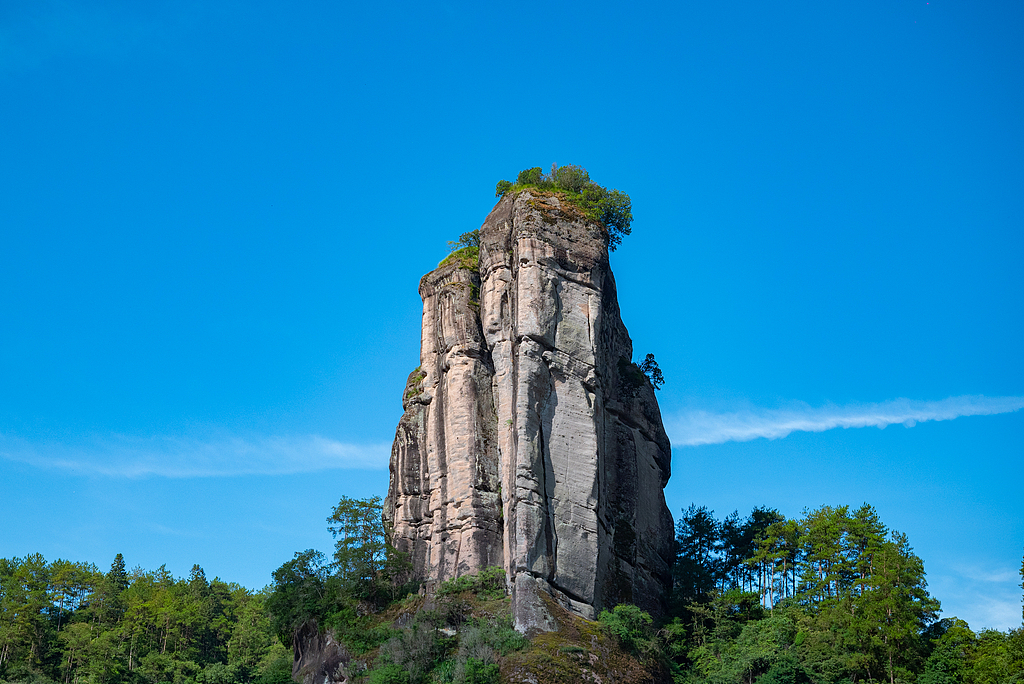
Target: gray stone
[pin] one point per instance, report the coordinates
(318, 657)
(520, 445)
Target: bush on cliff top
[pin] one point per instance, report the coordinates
(465, 250)
(611, 207)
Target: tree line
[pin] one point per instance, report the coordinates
(68, 622)
(831, 597)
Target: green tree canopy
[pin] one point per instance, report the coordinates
(612, 208)
(360, 549)
(850, 594)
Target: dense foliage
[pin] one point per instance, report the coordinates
(833, 597)
(612, 208)
(458, 637)
(68, 622)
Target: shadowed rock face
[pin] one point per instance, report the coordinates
(318, 657)
(527, 440)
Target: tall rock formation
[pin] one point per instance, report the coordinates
(529, 439)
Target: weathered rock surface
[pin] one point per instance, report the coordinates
(529, 439)
(318, 657)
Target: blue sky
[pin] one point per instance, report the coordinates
(215, 216)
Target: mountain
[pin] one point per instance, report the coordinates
(530, 440)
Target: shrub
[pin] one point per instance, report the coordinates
(415, 378)
(467, 257)
(532, 176)
(631, 626)
(456, 585)
(387, 674)
(358, 632)
(489, 583)
(416, 650)
(444, 673)
(631, 378)
(570, 177)
(477, 672)
(612, 208)
(483, 638)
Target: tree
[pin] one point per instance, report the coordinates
(848, 600)
(300, 593)
(894, 606)
(252, 638)
(70, 585)
(616, 213)
(696, 568)
(631, 626)
(649, 367)
(612, 208)
(118, 575)
(368, 566)
(531, 176)
(25, 629)
(753, 530)
(360, 551)
(570, 177)
(470, 239)
(775, 559)
(951, 654)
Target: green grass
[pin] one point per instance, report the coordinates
(467, 257)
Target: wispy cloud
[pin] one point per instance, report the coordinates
(984, 597)
(179, 457)
(696, 427)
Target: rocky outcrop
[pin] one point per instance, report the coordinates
(318, 657)
(529, 439)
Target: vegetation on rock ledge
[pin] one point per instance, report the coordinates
(633, 375)
(465, 251)
(611, 207)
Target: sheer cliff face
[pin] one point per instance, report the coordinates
(528, 440)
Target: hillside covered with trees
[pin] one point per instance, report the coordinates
(831, 597)
(67, 622)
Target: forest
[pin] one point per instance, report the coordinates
(62, 621)
(831, 597)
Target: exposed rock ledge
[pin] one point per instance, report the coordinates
(318, 657)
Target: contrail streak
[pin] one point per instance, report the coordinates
(696, 427)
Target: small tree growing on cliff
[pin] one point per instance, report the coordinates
(470, 239)
(649, 367)
(465, 251)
